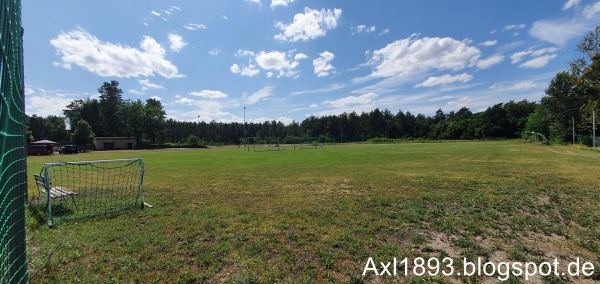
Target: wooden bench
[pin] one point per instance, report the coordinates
(55, 191)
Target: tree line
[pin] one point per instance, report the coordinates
(568, 106)
(113, 116)
(504, 121)
(567, 111)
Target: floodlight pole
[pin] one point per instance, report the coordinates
(198, 127)
(573, 119)
(341, 128)
(594, 129)
(245, 135)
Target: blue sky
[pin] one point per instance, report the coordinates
(288, 59)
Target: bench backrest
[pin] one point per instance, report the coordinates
(39, 180)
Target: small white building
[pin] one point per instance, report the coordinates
(114, 143)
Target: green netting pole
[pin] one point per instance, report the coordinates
(142, 181)
(13, 165)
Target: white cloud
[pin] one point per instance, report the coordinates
(413, 56)
(106, 59)
(147, 85)
(184, 101)
(44, 102)
(365, 29)
(489, 62)
(309, 25)
(273, 60)
(351, 100)
(275, 3)
(384, 32)
(136, 92)
(214, 52)
(538, 62)
(518, 56)
(591, 11)
(570, 4)
(512, 27)
(254, 2)
(29, 91)
(558, 31)
(285, 120)
(63, 65)
(326, 89)
(489, 43)
(167, 13)
(269, 61)
(322, 64)
(542, 51)
(461, 102)
(259, 95)
(524, 85)
(243, 52)
(193, 27)
(445, 79)
(203, 110)
(156, 98)
(300, 56)
(249, 71)
(277, 61)
(313, 105)
(177, 42)
(209, 94)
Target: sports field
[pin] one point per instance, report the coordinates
(226, 215)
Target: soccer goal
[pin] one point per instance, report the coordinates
(258, 144)
(70, 190)
(309, 142)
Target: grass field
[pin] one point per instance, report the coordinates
(225, 215)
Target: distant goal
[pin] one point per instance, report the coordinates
(70, 190)
(258, 144)
(312, 142)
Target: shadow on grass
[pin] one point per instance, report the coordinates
(38, 212)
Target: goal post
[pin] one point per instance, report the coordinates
(71, 190)
(309, 142)
(258, 144)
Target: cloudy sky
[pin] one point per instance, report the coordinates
(289, 59)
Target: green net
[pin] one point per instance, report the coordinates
(72, 190)
(13, 182)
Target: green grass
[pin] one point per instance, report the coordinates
(225, 215)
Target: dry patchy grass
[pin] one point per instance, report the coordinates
(226, 215)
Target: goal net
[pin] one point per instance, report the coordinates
(258, 144)
(69, 190)
(310, 142)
